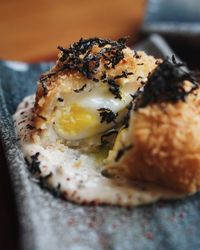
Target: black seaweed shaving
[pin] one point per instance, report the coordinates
(113, 88)
(166, 84)
(35, 163)
(80, 57)
(107, 115)
(121, 152)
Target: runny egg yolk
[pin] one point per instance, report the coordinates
(76, 122)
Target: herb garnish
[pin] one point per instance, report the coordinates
(114, 88)
(124, 74)
(107, 115)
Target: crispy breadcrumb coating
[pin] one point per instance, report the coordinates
(163, 138)
(83, 65)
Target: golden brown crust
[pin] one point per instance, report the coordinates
(166, 145)
(139, 65)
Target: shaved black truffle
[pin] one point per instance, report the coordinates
(124, 74)
(107, 115)
(166, 84)
(113, 88)
(34, 166)
(80, 57)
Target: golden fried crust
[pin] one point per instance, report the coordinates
(140, 65)
(166, 145)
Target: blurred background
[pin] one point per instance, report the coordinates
(31, 30)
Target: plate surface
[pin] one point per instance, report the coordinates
(50, 223)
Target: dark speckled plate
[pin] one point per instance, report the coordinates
(50, 223)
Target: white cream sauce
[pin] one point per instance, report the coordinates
(78, 175)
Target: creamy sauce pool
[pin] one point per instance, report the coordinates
(77, 176)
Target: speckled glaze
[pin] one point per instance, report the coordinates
(50, 223)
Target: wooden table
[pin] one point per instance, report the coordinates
(31, 30)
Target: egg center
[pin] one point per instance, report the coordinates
(90, 113)
(75, 120)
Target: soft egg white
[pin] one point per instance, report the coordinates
(79, 118)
